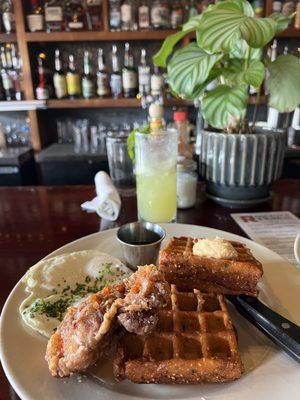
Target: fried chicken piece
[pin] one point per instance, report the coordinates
(88, 330)
(85, 332)
(147, 291)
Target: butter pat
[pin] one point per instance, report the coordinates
(215, 248)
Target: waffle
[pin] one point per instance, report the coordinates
(211, 275)
(194, 341)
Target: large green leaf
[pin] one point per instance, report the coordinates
(229, 21)
(192, 23)
(284, 83)
(282, 21)
(252, 75)
(242, 50)
(199, 89)
(189, 68)
(160, 58)
(225, 106)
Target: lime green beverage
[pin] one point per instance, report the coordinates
(156, 157)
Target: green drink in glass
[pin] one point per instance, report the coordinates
(156, 158)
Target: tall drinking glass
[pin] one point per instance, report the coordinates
(120, 164)
(156, 158)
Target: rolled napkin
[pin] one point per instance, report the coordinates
(107, 203)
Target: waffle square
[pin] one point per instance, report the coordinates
(181, 267)
(194, 341)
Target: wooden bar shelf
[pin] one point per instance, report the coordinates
(289, 33)
(94, 36)
(8, 38)
(122, 103)
(108, 103)
(92, 103)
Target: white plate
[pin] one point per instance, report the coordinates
(269, 373)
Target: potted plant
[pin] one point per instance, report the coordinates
(239, 160)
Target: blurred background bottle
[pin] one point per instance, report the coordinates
(73, 79)
(115, 77)
(115, 15)
(54, 15)
(35, 18)
(129, 74)
(102, 76)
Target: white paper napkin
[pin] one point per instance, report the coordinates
(107, 203)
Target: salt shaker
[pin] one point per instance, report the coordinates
(186, 183)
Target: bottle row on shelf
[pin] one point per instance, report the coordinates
(288, 7)
(11, 73)
(131, 15)
(89, 82)
(127, 15)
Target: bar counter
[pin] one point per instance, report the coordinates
(37, 220)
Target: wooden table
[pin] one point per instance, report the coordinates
(37, 220)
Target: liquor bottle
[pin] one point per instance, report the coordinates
(193, 10)
(297, 16)
(160, 14)
(73, 79)
(129, 74)
(128, 15)
(277, 6)
(6, 77)
(75, 15)
(144, 75)
(115, 77)
(87, 82)
(157, 83)
(186, 10)
(258, 7)
(35, 19)
(8, 16)
(2, 97)
(16, 72)
(288, 7)
(103, 89)
(177, 14)
(42, 90)
(115, 15)
(156, 114)
(94, 15)
(54, 16)
(143, 15)
(59, 78)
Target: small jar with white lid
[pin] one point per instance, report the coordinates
(186, 183)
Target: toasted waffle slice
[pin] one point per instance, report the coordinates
(212, 275)
(194, 341)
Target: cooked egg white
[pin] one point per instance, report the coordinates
(59, 282)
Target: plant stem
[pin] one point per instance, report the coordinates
(244, 123)
(255, 111)
(247, 59)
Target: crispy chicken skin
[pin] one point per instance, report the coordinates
(79, 340)
(89, 329)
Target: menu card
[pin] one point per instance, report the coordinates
(276, 230)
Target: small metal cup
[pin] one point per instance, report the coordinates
(140, 242)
